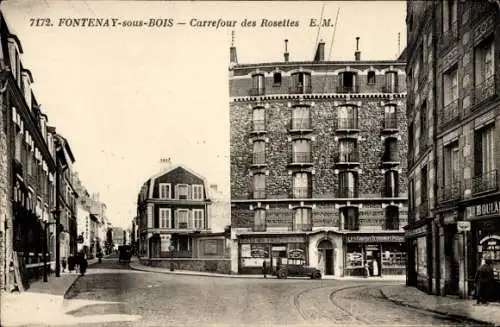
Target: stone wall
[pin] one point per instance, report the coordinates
(220, 266)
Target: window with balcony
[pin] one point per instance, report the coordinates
(258, 86)
(390, 117)
(164, 217)
(391, 150)
(391, 217)
(484, 70)
(301, 185)
(277, 79)
(302, 219)
(259, 186)
(372, 78)
(301, 118)
(301, 151)
(451, 172)
(350, 218)
(182, 191)
(197, 192)
(259, 223)
(348, 150)
(450, 14)
(181, 221)
(301, 83)
(29, 161)
(259, 120)
(259, 153)
(391, 82)
(485, 173)
(164, 190)
(348, 184)
(198, 219)
(347, 117)
(424, 204)
(18, 144)
(391, 186)
(423, 126)
(450, 95)
(347, 82)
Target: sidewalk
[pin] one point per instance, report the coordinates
(40, 302)
(135, 264)
(445, 305)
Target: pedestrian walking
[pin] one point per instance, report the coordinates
(264, 268)
(63, 264)
(83, 264)
(484, 282)
(71, 263)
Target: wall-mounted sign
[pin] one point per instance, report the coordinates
(481, 210)
(463, 226)
(277, 239)
(296, 254)
(375, 238)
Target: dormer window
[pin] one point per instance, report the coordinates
(301, 83)
(277, 79)
(164, 191)
(182, 191)
(371, 78)
(197, 192)
(391, 82)
(347, 82)
(258, 86)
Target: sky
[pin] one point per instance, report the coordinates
(126, 96)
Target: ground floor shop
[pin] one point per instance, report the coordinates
(419, 257)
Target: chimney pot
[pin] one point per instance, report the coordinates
(357, 53)
(286, 54)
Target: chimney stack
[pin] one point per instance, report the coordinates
(287, 55)
(320, 51)
(357, 54)
(233, 58)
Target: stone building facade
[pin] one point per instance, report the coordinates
(317, 164)
(453, 117)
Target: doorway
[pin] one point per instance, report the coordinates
(326, 259)
(329, 262)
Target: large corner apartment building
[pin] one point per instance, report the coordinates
(453, 117)
(318, 164)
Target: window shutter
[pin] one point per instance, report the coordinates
(190, 217)
(177, 191)
(190, 192)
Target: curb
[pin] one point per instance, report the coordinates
(444, 313)
(194, 273)
(65, 296)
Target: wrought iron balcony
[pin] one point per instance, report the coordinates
(449, 112)
(300, 89)
(259, 228)
(348, 89)
(301, 192)
(258, 125)
(259, 158)
(484, 90)
(450, 192)
(346, 158)
(347, 192)
(300, 124)
(301, 158)
(257, 91)
(486, 182)
(390, 123)
(301, 227)
(259, 193)
(424, 209)
(346, 124)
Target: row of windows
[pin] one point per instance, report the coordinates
(181, 191)
(348, 185)
(182, 218)
(349, 219)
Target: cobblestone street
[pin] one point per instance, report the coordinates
(111, 294)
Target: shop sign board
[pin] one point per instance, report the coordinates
(283, 239)
(481, 210)
(374, 238)
(296, 254)
(417, 231)
(463, 226)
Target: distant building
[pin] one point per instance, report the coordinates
(219, 211)
(118, 235)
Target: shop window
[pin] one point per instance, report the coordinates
(350, 218)
(393, 256)
(355, 256)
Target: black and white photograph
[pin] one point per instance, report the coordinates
(249, 163)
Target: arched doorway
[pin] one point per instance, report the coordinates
(326, 259)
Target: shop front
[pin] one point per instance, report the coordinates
(484, 240)
(374, 255)
(419, 256)
(255, 250)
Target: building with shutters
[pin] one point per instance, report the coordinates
(453, 140)
(318, 164)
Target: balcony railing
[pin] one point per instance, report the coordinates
(449, 112)
(347, 192)
(301, 227)
(424, 209)
(259, 158)
(300, 123)
(301, 157)
(301, 192)
(390, 123)
(347, 89)
(257, 91)
(390, 89)
(346, 123)
(258, 228)
(300, 89)
(450, 192)
(258, 125)
(484, 90)
(348, 157)
(259, 193)
(486, 182)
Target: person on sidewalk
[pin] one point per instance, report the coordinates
(83, 264)
(484, 282)
(264, 268)
(71, 263)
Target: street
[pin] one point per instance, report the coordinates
(112, 294)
